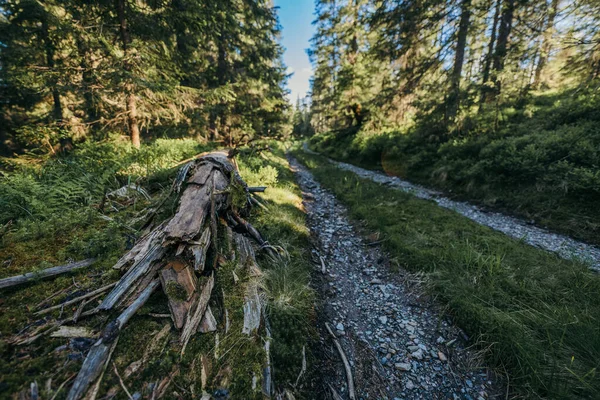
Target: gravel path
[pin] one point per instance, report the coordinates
(562, 245)
(398, 342)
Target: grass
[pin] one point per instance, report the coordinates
(535, 315)
(34, 236)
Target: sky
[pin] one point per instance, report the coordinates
(295, 17)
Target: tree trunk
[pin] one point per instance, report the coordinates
(461, 41)
(90, 105)
(546, 44)
(131, 108)
(488, 58)
(57, 110)
(504, 31)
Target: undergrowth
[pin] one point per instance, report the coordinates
(534, 314)
(539, 160)
(53, 211)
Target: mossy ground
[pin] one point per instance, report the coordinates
(43, 238)
(534, 314)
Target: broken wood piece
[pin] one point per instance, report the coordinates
(208, 323)
(349, 377)
(252, 309)
(194, 318)
(195, 201)
(303, 369)
(140, 267)
(34, 391)
(267, 384)
(323, 269)
(73, 332)
(45, 273)
(199, 250)
(179, 284)
(100, 352)
(75, 300)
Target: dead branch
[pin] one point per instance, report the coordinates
(77, 299)
(349, 377)
(100, 351)
(61, 269)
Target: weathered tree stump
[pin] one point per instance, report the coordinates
(181, 256)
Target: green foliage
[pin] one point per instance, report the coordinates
(533, 313)
(185, 68)
(542, 162)
(82, 178)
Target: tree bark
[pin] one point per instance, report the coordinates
(57, 110)
(546, 44)
(488, 58)
(131, 108)
(504, 31)
(459, 59)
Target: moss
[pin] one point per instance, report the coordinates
(176, 291)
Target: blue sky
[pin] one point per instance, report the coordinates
(295, 17)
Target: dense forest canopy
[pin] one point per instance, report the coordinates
(72, 70)
(387, 62)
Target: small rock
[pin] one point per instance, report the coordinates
(339, 327)
(402, 366)
(383, 319)
(409, 385)
(417, 354)
(442, 356)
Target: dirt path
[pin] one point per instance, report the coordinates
(562, 245)
(397, 341)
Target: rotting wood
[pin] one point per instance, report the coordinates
(349, 377)
(208, 323)
(179, 284)
(45, 273)
(199, 249)
(193, 319)
(252, 309)
(73, 332)
(98, 355)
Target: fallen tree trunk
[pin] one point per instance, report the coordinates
(182, 255)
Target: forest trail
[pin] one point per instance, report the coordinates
(564, 246)
(396, 339)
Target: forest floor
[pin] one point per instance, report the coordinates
(396, 338)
